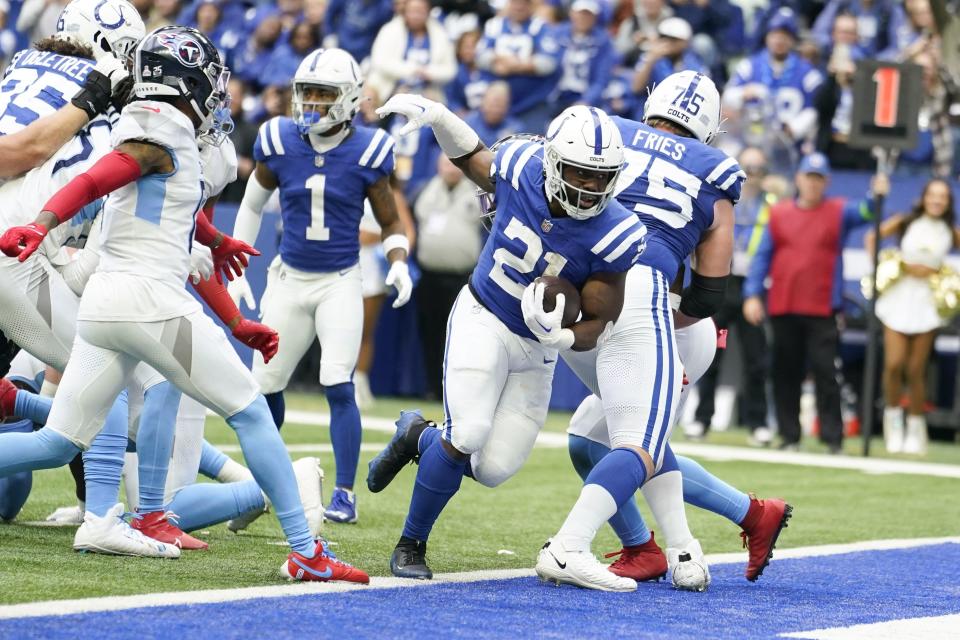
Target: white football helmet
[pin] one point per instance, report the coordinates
(108, 27)
(331, 68)
(690, 100)
(586, 138)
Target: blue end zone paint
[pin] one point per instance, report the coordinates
(793, 595)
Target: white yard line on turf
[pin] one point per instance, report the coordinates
(115, 603)
(907, 629)
(553, 440)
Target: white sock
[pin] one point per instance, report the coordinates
(593, 508)
(664, 494)
(233, 471)
(131, 479)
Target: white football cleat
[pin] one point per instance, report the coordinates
(688, 567)
(310, 485)
(579, 568)
(66, 516)
(243, 521)
(112, 535)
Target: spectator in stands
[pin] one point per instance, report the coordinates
(492, 121)
(412, 54)
(314, 12)
(908, 311)
(934, 151)
(770, 96)
(243, 136)
(915, 31)
(291, 13)
(287, 56)
(353, 24)
(638, 32)
(38, 18)
(668, 54)
(162, 14)
(800, 251)
(752, 213)
(249, 59)
(467, 88)
(448, 226)
(8, 38)
(708, 19)
(520, 48)
(878, 22)
(834, 100)
(588, 57)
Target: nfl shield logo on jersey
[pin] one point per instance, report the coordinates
(546, 225)
(318, 161)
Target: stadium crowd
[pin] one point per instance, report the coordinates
(784, 67)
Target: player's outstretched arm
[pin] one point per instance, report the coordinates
(710, 269)
(260, 186)
(461, 143)
(125, 164)
(31, 146)
(253, 334)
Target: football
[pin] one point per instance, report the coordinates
(556, 285)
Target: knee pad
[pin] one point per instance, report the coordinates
(342, 394)
(333, 375)
(466, 437)
(494, 472)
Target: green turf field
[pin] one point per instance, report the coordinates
(831, 506)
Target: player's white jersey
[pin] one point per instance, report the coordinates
(148, 225)
(219, 166)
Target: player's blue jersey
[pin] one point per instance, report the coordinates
(527, 242)
(36, 84)
(672, 183)
(322, 194)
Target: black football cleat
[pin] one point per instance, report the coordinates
(409, 560)
(399, 452)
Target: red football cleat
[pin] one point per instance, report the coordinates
(157, 525)
(643, 562)
(8, 398)
(322, 567)
(761, 528)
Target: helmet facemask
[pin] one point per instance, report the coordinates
(311, 99)
(577, 202)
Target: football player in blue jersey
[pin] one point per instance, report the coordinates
(556, 217)
(683, 190)
(324, 167)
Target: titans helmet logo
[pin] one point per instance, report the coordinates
(184, 47)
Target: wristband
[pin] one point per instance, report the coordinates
(396, 241)
(454, 136)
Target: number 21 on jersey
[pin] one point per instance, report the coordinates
(525, 264)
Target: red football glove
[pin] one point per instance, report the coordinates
(258, 336)
(231, 254)
(22, 241)
(8, 399)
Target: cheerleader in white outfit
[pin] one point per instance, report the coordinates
(909, 315)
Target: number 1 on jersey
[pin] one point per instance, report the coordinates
(316, 231)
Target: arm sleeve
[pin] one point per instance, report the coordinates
(250, 213)
(217, 298)
(110, 172)
(759, 266)
(856, 213)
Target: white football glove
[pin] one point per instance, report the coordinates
(418, 110)
(399, 277)
(239, 289)
(545, 325)
(113, 68)
(201, 263)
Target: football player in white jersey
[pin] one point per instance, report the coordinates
(325, 169)
(135, 309)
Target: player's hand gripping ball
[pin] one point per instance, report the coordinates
(554, 285)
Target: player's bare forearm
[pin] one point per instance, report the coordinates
(714, 254)
(31, 146)
(384, 205)
(476, 166)
(601, 300)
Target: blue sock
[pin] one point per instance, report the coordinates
(270, 464)
(32, 406)
(158, 421)
(669, 461)
(438, 478)
(206, 503)
(628, 524)
(621, 473)
(44, 449)
(15, 489)
(427, 438)
(345, 431)
(211, 460)
(103, 461)
(703, 489)
(278, 407)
